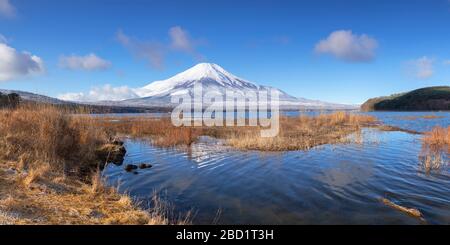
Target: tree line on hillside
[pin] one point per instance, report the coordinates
(9, 100)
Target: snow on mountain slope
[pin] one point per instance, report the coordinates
(210, 74)
(214, 80)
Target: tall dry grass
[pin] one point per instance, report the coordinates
(298, 133)
(160, 130)
(304, 132)
(53, 154)
(34, 134)
(438, 136)
(435, 148)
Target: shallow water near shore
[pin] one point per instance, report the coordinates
(330, 184)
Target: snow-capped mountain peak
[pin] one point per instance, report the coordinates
(214, 80)
(209, 73)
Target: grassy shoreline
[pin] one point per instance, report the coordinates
(50, 167)
(50, 160)
(296, 133)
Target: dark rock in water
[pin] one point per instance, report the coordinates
(112, 152)
(117, 142)
(96, 214)
(11, 171)
(130, 167)
(145, 165)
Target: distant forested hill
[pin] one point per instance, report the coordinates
(12, 98)
(424, 99)
(9, 100)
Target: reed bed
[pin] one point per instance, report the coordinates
(160, 130)
(49, 171)
(304, 132)
(438, 137)
(300, 133)
(435, 148)
(31, 135)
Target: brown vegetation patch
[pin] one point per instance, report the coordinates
(389, 128)
(435, 148)
(420, 117)
(47, 158)
(438, 136)
(296, 133)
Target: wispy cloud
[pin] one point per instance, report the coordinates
(7, 9)
(421, 68)
(446, 62)
(3, 39)
(90, 62)
(283, 40)
(180, 40)
(345, 45)
(103, 93)
(150, 51)
(14, 64)
(154, 52)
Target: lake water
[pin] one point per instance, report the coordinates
(330, 184)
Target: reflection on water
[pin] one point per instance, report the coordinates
(331, 184)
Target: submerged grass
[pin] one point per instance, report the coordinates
(435, 148)
(49, 172)
(438, 137)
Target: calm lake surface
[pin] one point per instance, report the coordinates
(330, 184)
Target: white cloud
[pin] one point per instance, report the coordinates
(14, 64)
(154, 52)
(347, 46)
(180, 40)
(422, 68)
(446, 62)
(90, 62)
(105, 92)
(7, 9)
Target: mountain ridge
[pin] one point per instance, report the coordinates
(214, 79)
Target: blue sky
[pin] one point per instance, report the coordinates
(337, 51)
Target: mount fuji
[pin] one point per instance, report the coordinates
(216, 80)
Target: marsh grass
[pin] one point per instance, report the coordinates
(305, 132)
(299, 133)
(438, 137)
(160, 130)
(36, 134)
(435, 149)
(49, 171)
(432, 116)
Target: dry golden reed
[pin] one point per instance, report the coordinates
(47, 158)
(48, 134)
(438, 136)
(296, 133)
(435, 148)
